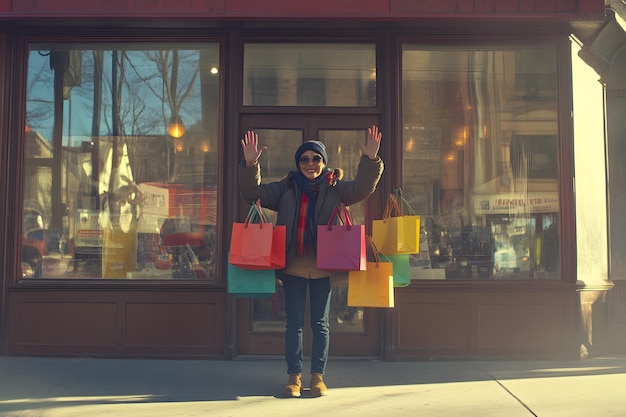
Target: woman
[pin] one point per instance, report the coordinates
(303, 200)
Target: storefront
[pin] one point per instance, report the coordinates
(120, 139)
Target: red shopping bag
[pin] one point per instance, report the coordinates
(397, 232)
(257, 243)
(374, 286)
(341, 247)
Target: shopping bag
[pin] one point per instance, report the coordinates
(257, 243)
(372, 287)
(401, 271)
(341, 247)
(248, 283)
(397, 232)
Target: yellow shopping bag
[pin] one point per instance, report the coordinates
(396, 233)
(372, 287)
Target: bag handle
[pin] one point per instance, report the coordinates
(374, 250)
(262, 214)
(396, 203)
(256, 215)
(403, 205)
(341, 213)
(391, 207)
(346, 215)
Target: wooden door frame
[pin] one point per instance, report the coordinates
(367, 344)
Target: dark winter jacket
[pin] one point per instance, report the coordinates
(284, 196)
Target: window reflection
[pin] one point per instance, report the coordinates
(118, 194)
(309, 75)
(480, 160)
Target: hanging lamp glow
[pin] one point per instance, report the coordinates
(176, 128)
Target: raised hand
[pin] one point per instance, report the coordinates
(372, 144)
(250, 146)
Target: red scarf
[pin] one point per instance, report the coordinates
(307, 233)
(302, 223)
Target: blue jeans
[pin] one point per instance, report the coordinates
(295, 302)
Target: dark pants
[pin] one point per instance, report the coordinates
(295, 301)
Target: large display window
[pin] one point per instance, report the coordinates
(480, 162)
(121, 166)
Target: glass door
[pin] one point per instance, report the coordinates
(261, 323)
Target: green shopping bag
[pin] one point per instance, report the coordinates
(250, 283)
(401, 271)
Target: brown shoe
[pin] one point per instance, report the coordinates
(293, 389)
(318, 388)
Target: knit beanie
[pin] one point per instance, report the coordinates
(312, 145)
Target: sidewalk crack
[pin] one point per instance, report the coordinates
(519, 400)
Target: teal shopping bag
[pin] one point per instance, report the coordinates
(401, 271)
(250, 283)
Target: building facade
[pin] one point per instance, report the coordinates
(120, 129)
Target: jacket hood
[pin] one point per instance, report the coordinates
(338, 173)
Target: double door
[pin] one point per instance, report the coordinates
(261, 322)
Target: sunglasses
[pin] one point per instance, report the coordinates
(305, 159)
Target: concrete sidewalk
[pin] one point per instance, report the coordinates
(58, 387)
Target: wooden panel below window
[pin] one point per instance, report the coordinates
(530, 327)
(475, 323)
(175, 324)
(65, 323)
(116, 323)
(419, 326)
